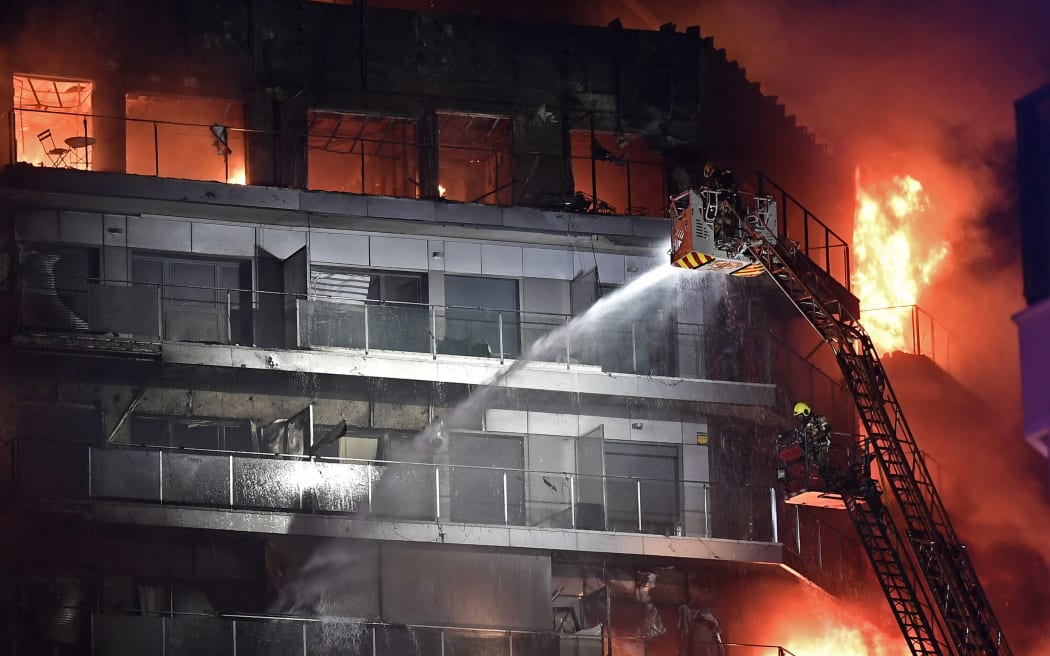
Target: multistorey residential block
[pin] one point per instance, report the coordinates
(265, 259)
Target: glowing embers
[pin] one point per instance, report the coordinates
(53, 122)
(185, 137)
(893, 260)
(362, 154)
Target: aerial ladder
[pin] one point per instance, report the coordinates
(922, 568)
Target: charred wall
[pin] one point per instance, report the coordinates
(282, 59)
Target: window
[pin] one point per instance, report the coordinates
(185, 137)
(55, 282)
(398, 318)
(477, 308)
(477, 485)
(648, 470)
(474, 162)
(620, 173)
(210, 434)
(196, 302)
(53, 122)
(361, 154)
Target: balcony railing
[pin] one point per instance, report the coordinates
(387, 166)
(185, 633)
(819, 242)
(245, 317)
(62, 471)
(920, 333)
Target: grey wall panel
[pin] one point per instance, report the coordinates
(436, 246)
(690, 430)
(614, 428)
(611, 268)
(115, 229)
(651, 430)
(553, 424)
(399, 253)
(539, 295)
(506, 421)
(114, 263)
(641, 264)
(159, 234)
(462, 257)
(36, 225)
(436, 284)
(338, 248)
(479, 587)
(217, 239)
(500, 260)
(695, 463)
(281, 243)
(547, 263)
(80, 227)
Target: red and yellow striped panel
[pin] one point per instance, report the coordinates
(692, 260)
(750, 271)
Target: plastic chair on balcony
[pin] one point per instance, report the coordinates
(54, 152)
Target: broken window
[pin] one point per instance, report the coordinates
(53, 122)
(185, 137)
(211, 434)
(620, 174)
(361, 154)
(474, 161)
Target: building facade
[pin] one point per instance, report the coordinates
(269, 266)
(1033, 323)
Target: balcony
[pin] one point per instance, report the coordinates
(324, 492)
(177, 633)
(122, 310)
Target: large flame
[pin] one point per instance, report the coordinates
(845, 641)
(893, 260)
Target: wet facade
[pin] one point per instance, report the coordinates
(264, 261)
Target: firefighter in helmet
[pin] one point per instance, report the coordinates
(722, 181)
(816, 438)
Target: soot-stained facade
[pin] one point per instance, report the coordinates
(263, 260)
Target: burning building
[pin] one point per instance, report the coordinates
(266, 260)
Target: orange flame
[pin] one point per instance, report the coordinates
(237, 177)
(893, 263)
(845, 641)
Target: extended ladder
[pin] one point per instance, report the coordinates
(948, 589)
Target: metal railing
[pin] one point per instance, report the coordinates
(404, 491)
(921, 333)
(211, 152)
(819, 242)
(175, 633)
(188, 313)
(621, 187)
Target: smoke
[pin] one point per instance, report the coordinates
(927, 90)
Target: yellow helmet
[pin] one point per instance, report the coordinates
(802, 410)
(709, 169)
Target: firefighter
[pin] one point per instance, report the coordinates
(698, 630)
(722, 181)
(719, 178)
(816, 438)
